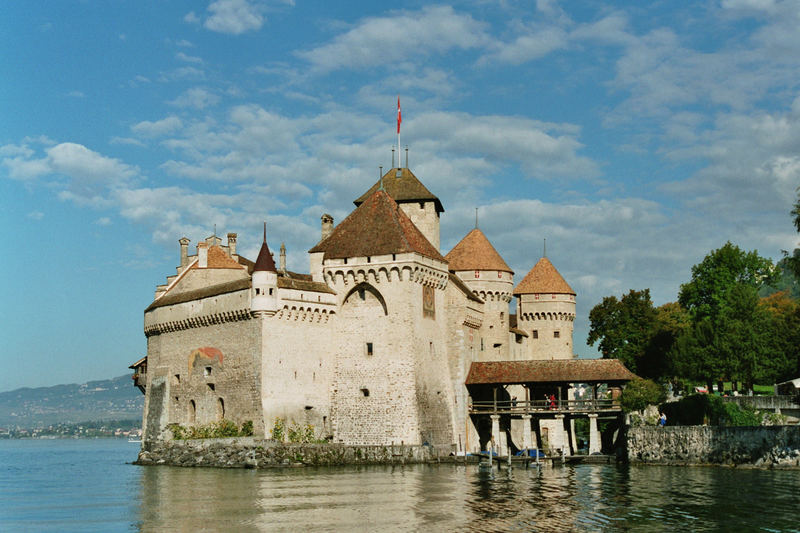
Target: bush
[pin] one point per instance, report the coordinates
(215, 430)
(704, 409)
(279, 429)
(640, 393)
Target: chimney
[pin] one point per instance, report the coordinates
(231, 244)
(202, 254)
(283, 257)
(327, 226)
(184, 251)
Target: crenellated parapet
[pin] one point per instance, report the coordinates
(569, 317)
(198, 321)
(300, 313)
(415, 273)
(494, 296)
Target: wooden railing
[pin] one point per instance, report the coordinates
(515, 407)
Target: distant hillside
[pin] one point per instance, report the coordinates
(96, 400)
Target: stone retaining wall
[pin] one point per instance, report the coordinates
(250, 452)
(763, 446)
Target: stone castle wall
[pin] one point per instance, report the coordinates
(695, 445)
(202, 374)
(424, 218)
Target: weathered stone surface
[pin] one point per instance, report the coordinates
(765, 446)
(249, 452)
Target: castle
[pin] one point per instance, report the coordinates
(373, 346)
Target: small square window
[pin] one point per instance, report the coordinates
(365, 392)
(211, 386)
(556, 334)
(535, 333)
(369, 348)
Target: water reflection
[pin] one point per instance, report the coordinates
(447, 498)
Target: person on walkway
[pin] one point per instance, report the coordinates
(662, 420)
(552, 401)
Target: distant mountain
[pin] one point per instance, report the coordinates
(110, 399)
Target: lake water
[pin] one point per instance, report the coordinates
(88, 485)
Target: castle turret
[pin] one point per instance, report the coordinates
(475, 261)
(265, 282)
(416, 201)
(546, 311)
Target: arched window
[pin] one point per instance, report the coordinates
(220, 409)
(192, 412)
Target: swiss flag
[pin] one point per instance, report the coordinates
(399, 116)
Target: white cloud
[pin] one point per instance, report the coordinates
(187, 58)
(184, 43)
(158, 128)
(234, 16)
(126, 140)
(527, 47)
(103, 221)
(197, 98)
(377, 40)
(191, 18)
(35, 215)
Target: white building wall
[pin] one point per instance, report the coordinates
(425, 217)
(548, 320)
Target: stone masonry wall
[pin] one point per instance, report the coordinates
(248, 452)
(202, 374)
(691, 445)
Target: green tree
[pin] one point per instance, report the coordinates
(730, 337)
(719, 272)
(623, 327)
(794, 259)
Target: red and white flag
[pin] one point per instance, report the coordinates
(399, 118)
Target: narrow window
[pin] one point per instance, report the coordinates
(207, 371)
(258, 291)
(394, 257)
(369, 259)
(502, 316)
(212, 387)
(369, 348)
(345, 260)
(535, 333)
(365, 392)
(481, 343)
(220, 409)
(270, 292)
(192, 412)
(422, 205)
(556, 334)
(176, 379)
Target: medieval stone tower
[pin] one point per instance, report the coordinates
(475, 261)
(546, 312)
(416, 201)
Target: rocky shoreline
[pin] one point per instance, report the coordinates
(754, 447)
(251, 452)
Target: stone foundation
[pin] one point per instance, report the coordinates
(762, 446)
(250, 452)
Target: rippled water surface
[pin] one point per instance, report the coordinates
(73, 485)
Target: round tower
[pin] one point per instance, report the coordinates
(546, 312)
(475, 262)
(265, 282)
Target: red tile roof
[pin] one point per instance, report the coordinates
(475, 252)
(406, 188)
(554, 371)
(217, 258)
(376, 227)
(543, 278)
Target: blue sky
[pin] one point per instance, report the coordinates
(634, 136)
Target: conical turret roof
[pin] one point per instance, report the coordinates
(475, 252)
(543, 278)
(377, 227)
(264, 262)
(406, 188)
